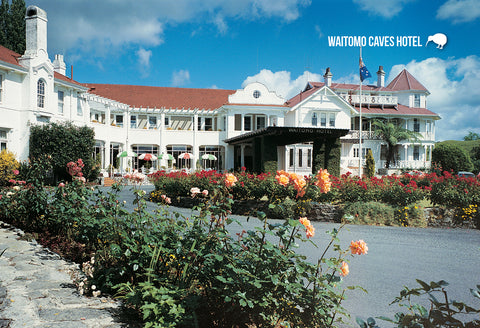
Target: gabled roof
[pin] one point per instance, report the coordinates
(398, 110)
(406, 81)
(162, 97)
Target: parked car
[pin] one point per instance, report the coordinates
(464, 174)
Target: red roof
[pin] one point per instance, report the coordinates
(162, 97)
(9, 56)
(405, 81)
(397, 110)
(59, 76)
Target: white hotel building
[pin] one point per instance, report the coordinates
(245, 127)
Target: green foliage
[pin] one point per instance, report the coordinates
(12, 25)
(8, 167)
(372, 213)
(471, 136)
(443, 312)
(370, 169)
(411, 216)
(451, 158)
(392, 134)
(64, 143)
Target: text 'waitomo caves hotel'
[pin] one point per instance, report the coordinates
(247, 127)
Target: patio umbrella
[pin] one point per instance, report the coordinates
(209, 157)
(185, 156)
(168, 157)
(148, 157)
(127, 153)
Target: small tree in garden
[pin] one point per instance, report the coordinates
(370, 170)
(392, 134)
(451, 158)
(64, 143)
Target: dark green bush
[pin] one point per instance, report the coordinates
(373, 213)
(451, 158)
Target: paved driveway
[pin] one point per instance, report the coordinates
(396, 257)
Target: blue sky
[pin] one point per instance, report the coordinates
(281, 43)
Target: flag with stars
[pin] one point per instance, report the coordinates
(364, 73)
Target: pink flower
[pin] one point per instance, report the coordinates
(205, 193)
(194, 191)
(16, 172)
(168, 200)
(61, 185)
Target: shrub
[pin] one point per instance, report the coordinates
(411, 216)
(9, 167)
(371, 213)
(370, 161)
(451, 158)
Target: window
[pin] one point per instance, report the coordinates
(260, 122)
(247, 123)
(199, 123)
(416, 153)
(332, 120)
(256, 94)
(119, 120)
(238, 122)
(1, 87)
(133, 121)
(79, 105)
(152, 122)
(41, 94)
(309, 157)
(416, 125)
(3, 140)
(300, 158)
(167, 121)
(416, 102)
(314, 119)
(60, 101)
(323, 119)
(208, 124)
(291, 157)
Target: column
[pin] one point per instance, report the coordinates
(242, 122)
(242, 155)
(406, 155)
(194, 144)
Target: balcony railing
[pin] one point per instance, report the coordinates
(368, 99)
(366, 135)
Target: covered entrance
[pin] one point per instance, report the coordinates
(260, 150)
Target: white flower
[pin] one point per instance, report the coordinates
(93, 287)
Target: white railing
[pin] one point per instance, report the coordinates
(400, 164)
(366, 135)
(368, 99)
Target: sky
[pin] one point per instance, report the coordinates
(226, 44)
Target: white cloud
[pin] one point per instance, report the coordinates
(459, 11)
(282, 83)
(180, 78)
(319, 31)
(144, 57)
(453, 84)
(85, 26)
(385, 8)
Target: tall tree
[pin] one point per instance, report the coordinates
(471, 136)
(392, 134)
(12, 25)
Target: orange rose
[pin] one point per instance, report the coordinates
(230, 180)
(282, 179)
(323, 181)
(344, 269)
(358, 247)
(310, 231)
(304, 221)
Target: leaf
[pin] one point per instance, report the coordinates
(361, 323)
(425, 286)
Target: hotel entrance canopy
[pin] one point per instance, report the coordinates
(326, 145)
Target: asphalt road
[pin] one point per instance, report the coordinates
(396, 257)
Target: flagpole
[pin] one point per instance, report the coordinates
(360, 123)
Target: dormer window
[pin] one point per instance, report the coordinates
(41, 94)
(416, 100)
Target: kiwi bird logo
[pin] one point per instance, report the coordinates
(440, 39)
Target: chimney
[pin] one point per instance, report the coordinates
(36, 31)
(59, 65)
(380, 77)
(328, 77)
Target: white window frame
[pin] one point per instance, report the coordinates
(61, 101)
(134, 122)
(166, 121)
(79, 105)
(314, 119)
(251, 122)
(3, 139)
(323, 120)
(41, 96)
(417, 100)
(152, 126)
(331, 120)
(116, 120)
(259, 126)
(208, 126)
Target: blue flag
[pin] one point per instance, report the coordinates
(364, 73)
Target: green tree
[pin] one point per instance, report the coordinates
(370, 169)
(451, 158)
(64, 143)
(12, 25)
(471, 136)
(392, 134)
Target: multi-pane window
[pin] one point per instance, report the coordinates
(167, 121)
(152, 122)
(208, 124)
(60, 101)
(119, 120)
(332, 120)
(41, 94)
(79, 106)
(416, 125)
(3, 140)
(323, 119)
(416, 102)
(133, 121)
(314, 119)
(260, 122)
(416, 153)
(247, 123)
